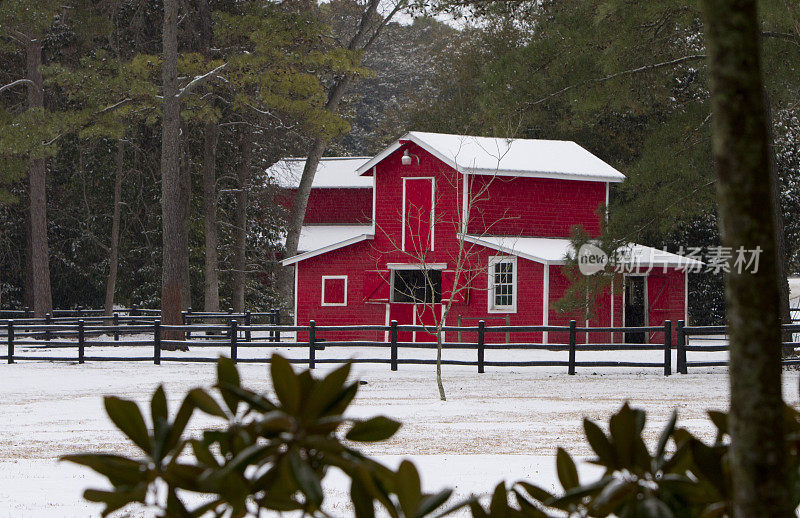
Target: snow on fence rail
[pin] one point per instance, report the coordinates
(54, 335)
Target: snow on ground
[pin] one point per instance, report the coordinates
(504, 424)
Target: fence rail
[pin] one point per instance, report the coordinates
(236, 332)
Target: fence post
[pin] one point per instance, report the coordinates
(481, 343)
(134, 312)
(667, 347)
(393, 338)
(681, 346)
(186, 318)
(234, 337)
(247, 335)
(48, 318)
(572, 337)
(81, 341)
(312, 338)
(277, 334)
(508, 333)
(27, 312)
(10, 341)
(116, 326)
(157, 342)
(460, 335)
(79, 311)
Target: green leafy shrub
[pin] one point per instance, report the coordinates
(266, 455)
(272, 454)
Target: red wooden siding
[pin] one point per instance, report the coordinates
(540, 207)
(333, 205)
(352, 261)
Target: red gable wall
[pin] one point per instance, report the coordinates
(541, 207)
(334, 205)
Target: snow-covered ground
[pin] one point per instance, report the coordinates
(504, 424)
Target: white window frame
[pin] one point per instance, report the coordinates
(433, 209)
(326, 277)
(494, 260)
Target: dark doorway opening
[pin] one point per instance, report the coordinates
(418, 285)
(635, 307)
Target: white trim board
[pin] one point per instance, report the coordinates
(416, 266)
(333, 277)
(326, 249)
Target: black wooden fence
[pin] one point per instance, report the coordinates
(236, 332)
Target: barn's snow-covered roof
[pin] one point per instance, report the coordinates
(320, 239)
(314, 237)
(507, 157)
(548, 250)
(332, 172)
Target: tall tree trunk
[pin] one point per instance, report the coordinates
(240, 229)
(170, 174)
(27, 294)
(37, 190)
(298, 213)
(211, 284)
(365, 35)
(113, 256)
(210, 136)
(780, 246)
(186, 197)
(741, 152)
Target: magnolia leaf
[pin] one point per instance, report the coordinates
(227, 374)
(567, 472)
(286, 384)
(375, 429)
(499, 503)
(407, 486)
(363, 504)
(120, 471)
(306, 479)
(432, 502)
(600, 444)
(126, 415)
(666, 433)
(326, 392)
(206, 403)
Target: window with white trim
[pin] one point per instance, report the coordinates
(334, 290)
(502, 284)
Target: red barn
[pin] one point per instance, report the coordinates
(480, 223)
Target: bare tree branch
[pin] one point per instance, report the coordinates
(199, 80)
(12, 84)
(645, 68)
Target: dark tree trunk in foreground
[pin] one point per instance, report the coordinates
(240, 226)
(170, 175)
(741, 152)
(37, 174)
(113, 255)
(211, 281)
